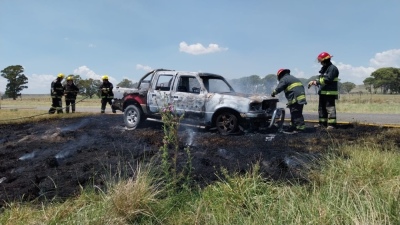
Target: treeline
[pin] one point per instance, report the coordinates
(387, 80)
(384, 80)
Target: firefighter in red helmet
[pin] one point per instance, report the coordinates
(327, 83)
(296, 97)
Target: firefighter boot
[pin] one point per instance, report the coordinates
(52, 110)
(67, 109)
(73, 108)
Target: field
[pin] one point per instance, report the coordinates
(86, 168)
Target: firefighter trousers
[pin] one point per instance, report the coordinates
(56, 105)
(327, 110)
(70, 102)
(296, 116)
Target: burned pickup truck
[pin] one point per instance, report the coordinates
(204, 99)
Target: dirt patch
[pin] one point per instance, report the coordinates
(54, 158)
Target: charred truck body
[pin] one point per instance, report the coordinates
(204, 99)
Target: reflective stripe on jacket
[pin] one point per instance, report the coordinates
(293, 88)
(328, 80)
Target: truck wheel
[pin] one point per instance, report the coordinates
(227, 123)
(132, 117)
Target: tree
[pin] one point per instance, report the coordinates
(369, 84)
(347, 86)
(16, 80)
(387, 79)
(89, 87)
(125, 83)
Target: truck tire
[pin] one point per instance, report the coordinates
(227, 123)
(132, 116)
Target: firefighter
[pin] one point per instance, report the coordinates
(295, 95)
(56, 92)
(327, 83)
(107, 94)
(70, 93)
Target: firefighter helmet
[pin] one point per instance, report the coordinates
(282, 71)
(70, 78)
(60, 75)
(105, 77)
(323, 56)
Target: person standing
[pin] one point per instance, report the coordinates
(327, 83)
(107, 94)
(296, 97)
(56, 92)
(70, 92)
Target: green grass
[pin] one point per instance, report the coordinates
(356, 103)
(359, 183)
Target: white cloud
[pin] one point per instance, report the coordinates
(390, 58)
(142, 67)
(357, 75)
(198, 49)
(349, 73)
(92, 45)
(87, 73)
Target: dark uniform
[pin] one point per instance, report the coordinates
(56, 92)
(107, 94)
(70, 92)
(327, 83)
(295, 95)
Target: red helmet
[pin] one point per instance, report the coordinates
(323, 56)
(282, 71)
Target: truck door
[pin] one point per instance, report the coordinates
(159, 94)
(189, 97)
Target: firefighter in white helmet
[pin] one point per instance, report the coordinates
(56, 92)
(107, 95)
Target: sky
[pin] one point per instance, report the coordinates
(124, 39)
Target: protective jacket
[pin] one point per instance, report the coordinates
(57, 89)
(328, 80)
(71, 91)
(293, 88)
(106, 89)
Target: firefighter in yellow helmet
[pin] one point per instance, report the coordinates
(107, 95)
(70, 92)
(56, 92)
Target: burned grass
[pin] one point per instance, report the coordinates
(53, 159)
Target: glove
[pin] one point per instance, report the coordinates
(310, 83)
(273, 94)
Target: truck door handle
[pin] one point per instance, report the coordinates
(176, 96)
(153, 95)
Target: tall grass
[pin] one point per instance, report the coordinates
(358, 183)
(360, 103)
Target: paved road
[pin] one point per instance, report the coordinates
(364, 118)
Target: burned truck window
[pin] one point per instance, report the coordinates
(164, 82)
(216, 85)
(188, 84)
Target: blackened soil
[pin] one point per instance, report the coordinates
(54, 159)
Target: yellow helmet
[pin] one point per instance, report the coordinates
(70, 78)
(105, 77)
(60, 75)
